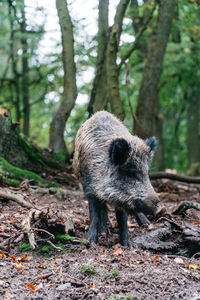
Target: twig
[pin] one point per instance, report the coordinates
(54, 246)
(42, 230)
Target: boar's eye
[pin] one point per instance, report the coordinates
(119, 151)
(152, 143)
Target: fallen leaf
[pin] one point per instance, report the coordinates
(19, 268)
(40, 265)
(31, 287)
(193, 266)
(195, 223)
(2, 254)
(156, 258)
(91, 286)
(13, 257)
(14, 221)
(117, 251)
(24, 257)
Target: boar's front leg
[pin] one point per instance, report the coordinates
(94, 210)
(123, 228)
(142, 219)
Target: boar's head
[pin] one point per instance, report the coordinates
(130, 176)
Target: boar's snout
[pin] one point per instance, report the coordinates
(151, 205)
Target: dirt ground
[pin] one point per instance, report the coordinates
(103, 271)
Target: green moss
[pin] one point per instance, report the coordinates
(33, 155)
(65, 237)
(14, 175)
(87, 270)
(25, 247)
(114, 272)
(60, 156)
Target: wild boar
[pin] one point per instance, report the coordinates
(113, 167)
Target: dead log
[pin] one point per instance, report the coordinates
(178, 177)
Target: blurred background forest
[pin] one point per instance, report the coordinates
(60, 61)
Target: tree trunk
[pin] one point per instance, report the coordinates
(10, 147)
(14, 64)
(25, 74)
(193, 127)
(99, 94)
(148, 96)
(193, 107)
(112, 68)
(57, 127)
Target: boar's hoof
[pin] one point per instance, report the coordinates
(93, 238)
(142, 219)
(125, 243)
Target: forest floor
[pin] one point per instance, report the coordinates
(103, 271)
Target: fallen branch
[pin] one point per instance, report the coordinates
(178, 177)
(16, 198)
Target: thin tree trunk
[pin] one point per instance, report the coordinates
(58, 123)
(193, 108)
(112, 68)
(99, 94)
(25, 73)
(14, 65)
(193, 127)
(148, 96)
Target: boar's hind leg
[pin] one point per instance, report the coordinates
(123, 228)
(94, 209)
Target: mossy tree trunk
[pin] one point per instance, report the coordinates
(11, 148)
(57, 127)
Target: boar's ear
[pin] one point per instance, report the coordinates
(152, 143)
(119, 151)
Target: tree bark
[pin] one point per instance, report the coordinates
(193, 107)
(25, 74)
(148, 96)
(10, 147)
(17, 100)
(193, 127)
(99, 94)
(57, 127)
(112, 68)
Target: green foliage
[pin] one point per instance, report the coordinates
(87, 270)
